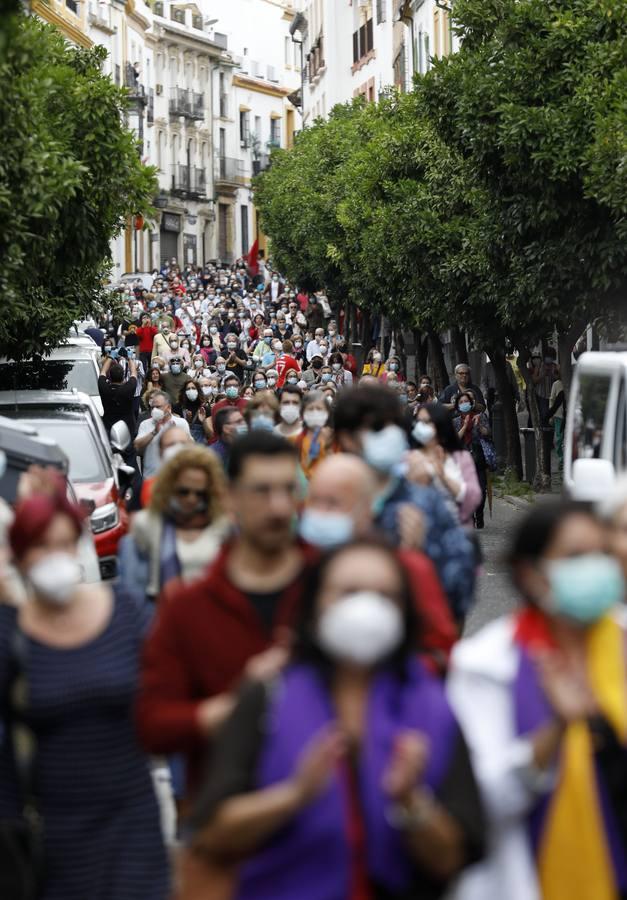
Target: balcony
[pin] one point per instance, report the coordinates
(136, 89)
(229, 171)
(188, 104)
(261, 164)
(189, 182)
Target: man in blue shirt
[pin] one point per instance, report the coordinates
(369, 421)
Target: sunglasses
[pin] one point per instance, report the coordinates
(187, 492)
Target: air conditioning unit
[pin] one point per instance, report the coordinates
(158, 89)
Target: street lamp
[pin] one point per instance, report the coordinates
(300, 24)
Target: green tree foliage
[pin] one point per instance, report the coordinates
(69, 175)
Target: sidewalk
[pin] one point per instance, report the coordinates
(495, 595)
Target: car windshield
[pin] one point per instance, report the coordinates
(73, 434)
(50, 375)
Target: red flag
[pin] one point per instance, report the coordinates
(253, 258)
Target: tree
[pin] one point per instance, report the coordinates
(70, 174)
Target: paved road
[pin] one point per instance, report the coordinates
(495, 594)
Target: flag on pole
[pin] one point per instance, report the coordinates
(253, 258)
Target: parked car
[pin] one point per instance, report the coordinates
(70, 419)
(67, 368)
(595, 439)
(146, 279)
(23, 447)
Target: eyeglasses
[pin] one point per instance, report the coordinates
(187, 492)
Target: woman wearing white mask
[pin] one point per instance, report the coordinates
(364, 760)
(316, 439)
(290, 413)
(75, 648)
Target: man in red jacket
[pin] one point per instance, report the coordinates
(146, 334)
(342, 491)
(230, 622)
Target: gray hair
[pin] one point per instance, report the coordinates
(163, 394)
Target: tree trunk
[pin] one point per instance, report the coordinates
(436, 355)
(542, 481)
(422, 354)
(510, 417)
(459, 345)
(566, 340)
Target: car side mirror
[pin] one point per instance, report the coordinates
(120, 437)
(593, 479)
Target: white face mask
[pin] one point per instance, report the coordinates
(385, 449)
(191, 394)
(361, 628)
(290, 414)
(207, 390)
(55, 577)
(316, 418)
(423, 432)
(157, 414)
(171, 451)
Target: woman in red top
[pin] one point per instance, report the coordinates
(146, 334)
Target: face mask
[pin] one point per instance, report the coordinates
(292, 380)
(260, 385)
(157, 414)
(423, 432)
(323, 349)
(585, 587)
(465, 407)
(326, 377)
(336, 367)
(176, 369)
(213, 329)
(174, 344)
(231, 346)
(232, 393)
(316, 418)
(361, 628)
(242, 429)
(207, 390)
(298, 345)
(55, 577)
(271, 382)
(384, 450)
(267, 340)
(198, 363)
(191, 394)
(262, 422)
(221, 367)
(290, 414)
(325, 529)
(206, 343)
(376, 357)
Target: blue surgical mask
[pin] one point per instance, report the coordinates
(325, 529)
(384, 450)
(260, 385)
(465, 407)
(326, 377)
(176, 370)
(393, 367)
(232, 393)
(262, 423)
(584, 588)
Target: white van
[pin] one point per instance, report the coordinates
(595, 442)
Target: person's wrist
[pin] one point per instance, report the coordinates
(413, 811)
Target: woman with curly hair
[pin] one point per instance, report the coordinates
(182, 529)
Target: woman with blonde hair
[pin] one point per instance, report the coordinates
(182, 529)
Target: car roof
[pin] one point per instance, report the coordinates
(46, 398)
(69, 351)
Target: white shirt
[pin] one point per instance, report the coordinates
(152, 452)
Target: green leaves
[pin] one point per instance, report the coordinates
(69, 175)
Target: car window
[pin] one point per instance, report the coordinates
(590, 413)
(75, 438)
(50, 375)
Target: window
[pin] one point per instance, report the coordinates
(591, 409)
(288, 51)
(275, 132)
(381, 11)
(244, 127)
(427, 53)
(446, 33)
(437, 44)
(244, 220)
(363, 40)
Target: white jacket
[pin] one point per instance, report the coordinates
(480, 689)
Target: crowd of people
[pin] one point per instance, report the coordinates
(275, 698)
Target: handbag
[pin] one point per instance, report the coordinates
(21, 838)
(489, 453)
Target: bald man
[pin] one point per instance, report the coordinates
(340, 507)
(173, 437)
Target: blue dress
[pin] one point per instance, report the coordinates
(93, 786)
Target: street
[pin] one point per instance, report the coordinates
(494, 593)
